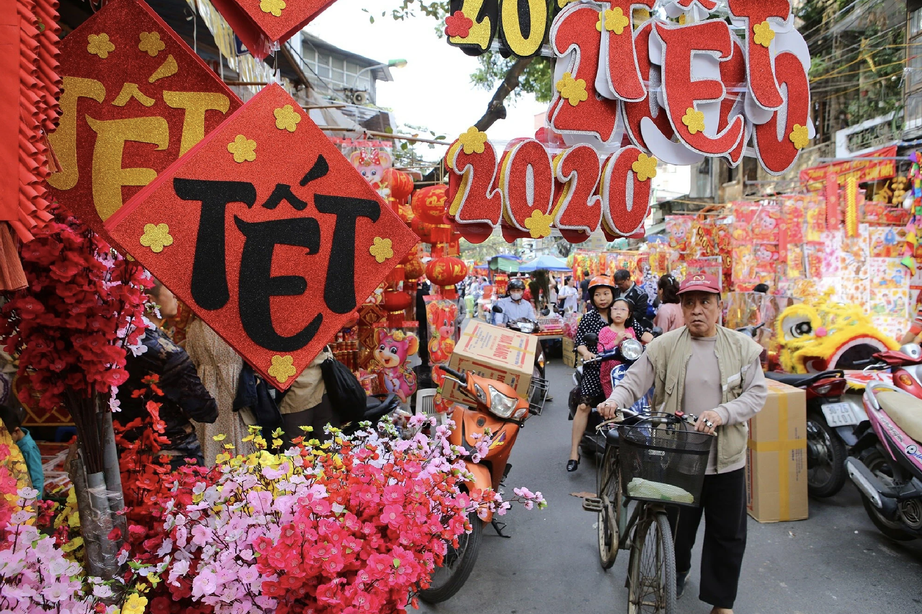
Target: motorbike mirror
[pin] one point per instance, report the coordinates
(497, 309)
(591, 338)
(656, 331)
(545, 312)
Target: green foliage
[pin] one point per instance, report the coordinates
(536, 79)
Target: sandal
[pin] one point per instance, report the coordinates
(572, 465)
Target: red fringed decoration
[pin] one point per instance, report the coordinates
(31, 27)
(832, 201)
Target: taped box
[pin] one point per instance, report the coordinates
(569, 352)
(776, 474)
(493, 352)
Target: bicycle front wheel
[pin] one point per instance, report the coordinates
(609, 491)
(651, 574)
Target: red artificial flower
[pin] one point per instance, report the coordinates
(458, 25)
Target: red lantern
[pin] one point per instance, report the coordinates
(395, 303)
(422, 229)
(400, 184)
(396, 275)
(431, 203)
(446, 272)
(414, 269)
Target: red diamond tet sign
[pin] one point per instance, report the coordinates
(267, 232)
(135, 98)
(260, 23)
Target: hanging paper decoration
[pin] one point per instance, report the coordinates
(371, 162)
(280, 237)
(262, 25)
(851, 207)
(28, 111)
(135, 98)
(441, 315)
(832, 201)
(399, 183)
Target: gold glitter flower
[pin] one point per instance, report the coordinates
(99, 44)
(763, 33)
(244, 149)
(572, 90)
(615, 20)
(644, 167)
(286, 118)
(800, 136)
(156, 237)
(539, 224)
(282, 368)
(694, 120)
(151, 43)
(382, 249)
(272, 6)
(473, 141)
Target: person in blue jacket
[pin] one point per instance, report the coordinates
(12, 420)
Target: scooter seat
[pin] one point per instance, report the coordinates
(904, 409)
(800, 380)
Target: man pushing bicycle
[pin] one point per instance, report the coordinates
(712, 372)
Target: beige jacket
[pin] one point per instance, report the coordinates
(307, 391)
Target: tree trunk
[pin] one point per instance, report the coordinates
(496, 110)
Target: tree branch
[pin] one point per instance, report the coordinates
(495, 109)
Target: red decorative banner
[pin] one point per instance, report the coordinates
(135, 98)
(864, 170)
(261, 24)
(268, 233)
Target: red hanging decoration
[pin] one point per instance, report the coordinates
(832, 201)
(445, 273)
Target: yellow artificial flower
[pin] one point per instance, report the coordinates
(694, 120)
(286, 118)
(273, 7)
(156, 237)
(135, 604)
(473, 141)
(800, 136)
(644, 167)
(763, 34)
(615, 20)
(539, 224)
(282, 368)
(382, 249)
(572, 90)
(151, 43)
(244, 149)
(100, 45)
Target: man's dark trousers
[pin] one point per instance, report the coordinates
(723, 503)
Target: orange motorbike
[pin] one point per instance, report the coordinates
(491, 419)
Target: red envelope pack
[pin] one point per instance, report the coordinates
(268, 233)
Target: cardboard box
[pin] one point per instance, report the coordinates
(494, 352)
(569, 353)
(776, 473)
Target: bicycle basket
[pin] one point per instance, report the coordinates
(663, 459)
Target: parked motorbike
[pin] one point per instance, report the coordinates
(886, 465)
(627, 352)
(493, 407)
(906, 367)
(831, 421)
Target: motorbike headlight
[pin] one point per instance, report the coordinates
(631, 349)
(527, 327)
(500, 404)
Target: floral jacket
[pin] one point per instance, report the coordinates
(184, 396)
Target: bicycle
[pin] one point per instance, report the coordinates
(650, 461)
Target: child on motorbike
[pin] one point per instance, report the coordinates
(623, 326)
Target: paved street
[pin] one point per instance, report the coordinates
(835, 562)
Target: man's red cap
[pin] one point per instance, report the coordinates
(700, 282)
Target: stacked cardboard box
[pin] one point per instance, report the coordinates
(777, 470)
(569, 355)
(493, 352)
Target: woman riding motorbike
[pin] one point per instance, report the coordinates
(601, 293)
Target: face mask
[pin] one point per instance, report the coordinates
(516, 296)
